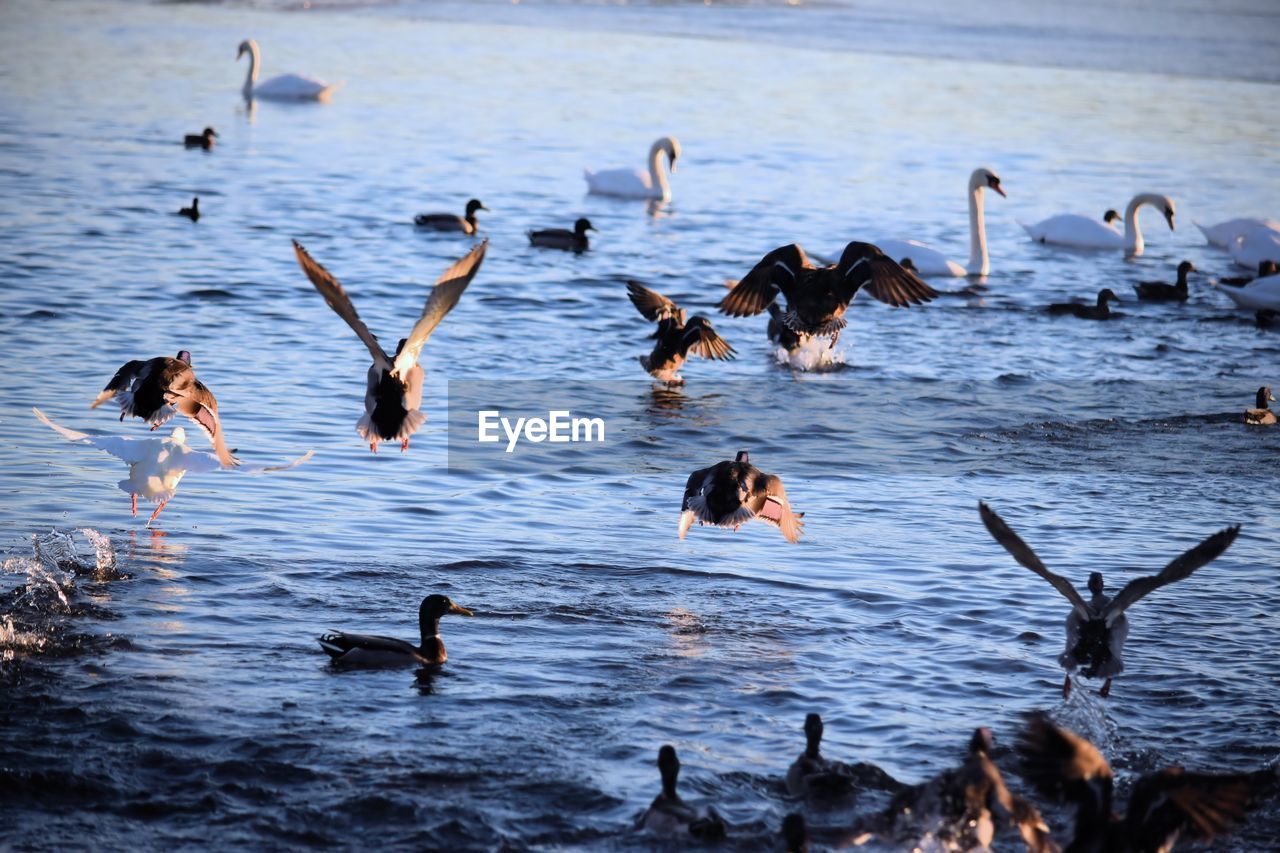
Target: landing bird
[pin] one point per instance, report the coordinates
(393, 391)
(1097, 629)
(817, 297)
(156, 465)
(729, 494)
(675, 338)
(157, 388)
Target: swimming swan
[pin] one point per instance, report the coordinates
(929, 261)
(286, 87)
(633, 183)
(1083, 232)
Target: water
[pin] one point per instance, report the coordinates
(183, 689)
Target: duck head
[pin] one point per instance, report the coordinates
(813, 735)
(435, 606)
(474, 205)
(1265, 396)
(743, 456)
(210, 133)
(1186, 267)
(1107, 295)
(1110, 216)
(669, 767)
(582, 226)
(982, 741)
(1095, 584)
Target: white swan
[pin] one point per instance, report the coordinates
(1084, 232)
(1224, 234)
(1254, 247)
(634, 183)
(929, 261)
(286, 87)
(1256, 295)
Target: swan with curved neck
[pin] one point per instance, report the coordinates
(1083, 232)
(929, 261)
(634, 183)
(285, 87)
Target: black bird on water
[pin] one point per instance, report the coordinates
(201, 140)
(1100, 311)
(192, 212)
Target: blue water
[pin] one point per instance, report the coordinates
(181, 693)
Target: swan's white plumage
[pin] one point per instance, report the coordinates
(1224, 234)
(1254, 247)
(637, 183)
(1085, 232)
(285, 87)
(929, 261)
(1257, 294)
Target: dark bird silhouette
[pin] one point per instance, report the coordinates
(192, 212)
(675, 338)
(369, 650)
(1159, 291)
(1100, 311)
(670, 815)
(201, 140)
(451, 221)
(729, 494)
(562, 238)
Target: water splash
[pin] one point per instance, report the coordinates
(815, 354)
(57, 560)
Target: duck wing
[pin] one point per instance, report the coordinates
(1164, 805)
(339, 643)
(1182, 566)
(701, 339)
(653, 305)
(1062, 765)
(863, 265)
(768, 501)
(1022, 552)
(122, 381)
(780, 271)
(196, 401)
(445, 295)
(340, 302)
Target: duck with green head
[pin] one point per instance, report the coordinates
(370, 650)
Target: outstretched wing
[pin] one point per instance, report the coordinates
(863, 265)
(1171, 803)
(197, 403)
(701, 339)
(1181, 567)
(444, 296)
(340, 302)
(1022, 552)
(1059, 763)
(130, 450)
(778, 271)
(122, 381)
(652, 304)
(768, 501)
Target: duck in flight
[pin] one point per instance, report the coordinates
(157, 389)
(817, 297)
(369, 650)
(675, 338)
(1097, 629)
(729, 494)
(393, 390)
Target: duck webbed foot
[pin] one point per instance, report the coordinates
(1106, 689)
(373, 447)
(404, 445)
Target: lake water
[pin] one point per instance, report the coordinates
(179, 698)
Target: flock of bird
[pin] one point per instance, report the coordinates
(806, 298)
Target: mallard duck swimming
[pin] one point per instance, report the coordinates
(817, 297)
(450, 221)
(1097, 629)
(1159, 291)
(368, 650)
(201, 140)
(1100, 311)
(670, 815)
(1163, 806)
(675, 338)
(961, 807)
(192, 212)
(1262, 414)
(562, 238)
(156, 389)
(393, 390)
(729, 494)
(156, 465)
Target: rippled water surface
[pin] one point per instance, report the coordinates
(177, 696)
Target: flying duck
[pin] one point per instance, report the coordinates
(201, 140)
(1163, 806)
(1100, 311)
(962, 806)
(157, 388)
(1265, 268)
(450, 221)
(729, 494)
(368, 650)
(675, 338)
(562, 238)
(1262, 414)
(1097, 629)
(1159, 291)
(393, 390)
(670, 815)
(156, 465)
(192, 212)
(818, 296)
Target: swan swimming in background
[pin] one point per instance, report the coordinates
(285, 87)
(1083, 232)
(1224, 234)
(1255, 247)
(929, 261)
(1259, 294)
(634, 183)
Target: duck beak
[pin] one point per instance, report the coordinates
(460, 610)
